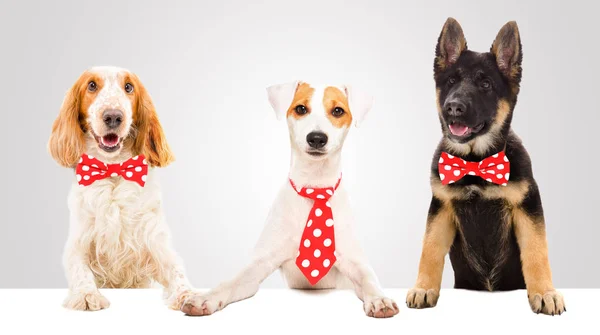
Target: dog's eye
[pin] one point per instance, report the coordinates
(337, 112)
(451, 80)
(301, 110)
(486, 84)
(128, 88)
(92, 86)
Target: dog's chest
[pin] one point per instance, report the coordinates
(113, 202)
(118, 218)
(485, 253)
(483, 225)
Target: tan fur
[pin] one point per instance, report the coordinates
(502, 113)
(150, 140)
(303, 94)
(513, 193)
(67, 142)
(531, 236)
(439, 236)
(441, 229)
(333, 98)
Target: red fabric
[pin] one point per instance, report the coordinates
(316, 253)
(495, 169)
(91, 169)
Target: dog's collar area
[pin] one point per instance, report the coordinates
(494, 169)
(90, 169)
(310, 190)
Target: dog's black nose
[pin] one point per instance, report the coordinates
(455, 108)
(316, 139)
(112, 118)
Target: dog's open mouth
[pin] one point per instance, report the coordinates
(461, 130)
(109, 142)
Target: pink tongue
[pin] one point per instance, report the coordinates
(110, 140)
(458, 129)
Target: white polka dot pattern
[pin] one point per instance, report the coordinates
(452, 169)
(91, 169)
(316, 253)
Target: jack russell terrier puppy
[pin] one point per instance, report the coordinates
(308, 233)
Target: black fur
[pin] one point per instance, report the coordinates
(484, 255)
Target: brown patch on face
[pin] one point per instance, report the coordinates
(67, 141)
(302, 97)
(138, 89)
(150, 139)
(531, 237)
(441, 229)
(501, 114)
(334, 98)
(437, 100)
(87, 97)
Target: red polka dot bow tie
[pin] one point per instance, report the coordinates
(316, 253)
(495, 169)
(91, 169)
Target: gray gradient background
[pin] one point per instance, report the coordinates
(207, 65)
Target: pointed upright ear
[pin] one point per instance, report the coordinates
(67, 143)
(360, 104)
(150, 139)
(507, 49)
(281, 97)
(451, 44)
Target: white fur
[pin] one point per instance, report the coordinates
(118, 236)
(278, 245)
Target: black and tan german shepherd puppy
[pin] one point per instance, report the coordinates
(495, 234)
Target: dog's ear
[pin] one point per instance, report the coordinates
(507, 49)
(451, 44)
(360, 104)
(150, 139)
(281, 97)
(67, 143)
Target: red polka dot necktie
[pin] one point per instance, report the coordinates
(495, 169)
(316, 253)
(89, 169)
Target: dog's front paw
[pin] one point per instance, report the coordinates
(549, 303)
(198, 304)
(176, 299)
(422, 298)
(380, 307)
(86, 301)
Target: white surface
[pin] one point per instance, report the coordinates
(280, 311)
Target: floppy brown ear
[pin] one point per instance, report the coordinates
(451, 44)
(507, 49)
(67, 143)
(150, 139)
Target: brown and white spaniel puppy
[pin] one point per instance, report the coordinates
(118, 237)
